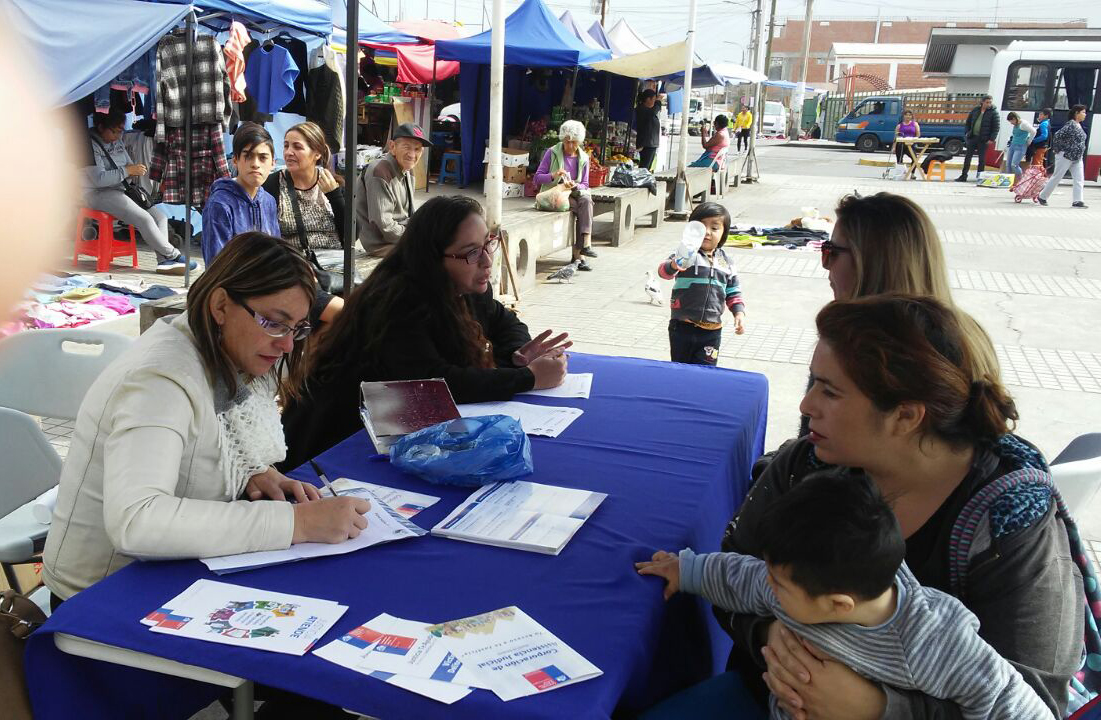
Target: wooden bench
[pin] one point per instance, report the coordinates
(628, 205)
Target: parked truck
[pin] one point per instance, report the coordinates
(871, 124)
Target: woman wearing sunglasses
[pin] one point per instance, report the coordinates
(426, 311)
(173, 450)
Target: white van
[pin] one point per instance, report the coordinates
(774, 118)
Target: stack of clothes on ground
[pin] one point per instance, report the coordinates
(806, 231)
(73, 300)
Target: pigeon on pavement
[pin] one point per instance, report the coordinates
(653, 290)
(564, 273)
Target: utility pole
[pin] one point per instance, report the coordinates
(680, 192)
(801, 77)
(750, 168)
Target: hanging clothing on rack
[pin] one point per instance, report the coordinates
(297, 50)
(210, 86)
(325, 105)
(208, 163)
(270, 74)
(140, 148)
(140, 77)
(235, 60)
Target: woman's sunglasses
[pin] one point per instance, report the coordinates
(830, 251)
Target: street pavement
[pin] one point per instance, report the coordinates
(1030, 275)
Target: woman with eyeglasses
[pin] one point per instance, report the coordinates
(427, 311)
(173, 450)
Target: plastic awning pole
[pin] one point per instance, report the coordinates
(679, 195)
(351, 140)
(190, 59)
(496, 107)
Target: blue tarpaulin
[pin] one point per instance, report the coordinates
(533, 37)
(63, 35)
(311, 16)
(371, 29)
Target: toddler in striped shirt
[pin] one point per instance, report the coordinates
(834, 575)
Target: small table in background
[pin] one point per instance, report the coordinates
(918, 146)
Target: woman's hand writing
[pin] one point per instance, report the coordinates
(274, 485)
(539, 346)
(329, 520)
(549, 371)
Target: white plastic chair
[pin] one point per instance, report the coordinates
(45, 373)
(31, 467)
(48, 372)
(1077, 474)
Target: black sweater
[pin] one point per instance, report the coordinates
(328, 410)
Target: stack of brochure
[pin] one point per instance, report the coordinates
(522, 515)
(504, 651)
(247, 617)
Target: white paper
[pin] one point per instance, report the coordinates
(576, 385)
(535, 419)
(522, 515)
(513, 654)
(405, 647)
(43, 508)
(405, 502)
(350, 650)
(246, 617)
(384, 525)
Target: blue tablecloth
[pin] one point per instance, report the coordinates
(672, 446)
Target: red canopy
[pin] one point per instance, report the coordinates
(430, 30)
(415, 61)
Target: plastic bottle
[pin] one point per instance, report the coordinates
(690, 241)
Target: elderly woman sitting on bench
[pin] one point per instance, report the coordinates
(567, 163)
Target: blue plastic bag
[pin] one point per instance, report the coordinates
(469, 451)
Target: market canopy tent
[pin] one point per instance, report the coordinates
(567, 19)
(430, 30)
(309, 16)
(534, 38)
(57, 30)
(627, 40)
(596, 32)
(417, 63)
(371, 29)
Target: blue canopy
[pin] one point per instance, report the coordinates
(371, 29)
(59, 32)
(311, 16)
(533, 37)
(596, 32)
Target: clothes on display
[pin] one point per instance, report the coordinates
(68, 302)
(297, 50)
(208, 163)
(210, 86)
(140, 77)
(325, 103)
(235, 60)
(139, 147)
(270, 75)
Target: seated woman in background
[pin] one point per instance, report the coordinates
(715, 144)
(312, 218)
(173, 448)
(566, 162)
(426, 311)
(104, 191)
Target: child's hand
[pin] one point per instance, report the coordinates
(739, 323)
(664, 565)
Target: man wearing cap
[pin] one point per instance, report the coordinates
(384, 200)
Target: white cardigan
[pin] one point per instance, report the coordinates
(145, 476)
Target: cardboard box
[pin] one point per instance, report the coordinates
(510, 174)
(510, 190)
(524, 145)
(510, 157)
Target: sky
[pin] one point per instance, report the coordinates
(723, 26)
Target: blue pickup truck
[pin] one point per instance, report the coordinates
(871, 124)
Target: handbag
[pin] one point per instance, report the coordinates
(129, 188)
(19, 617)
(329, 281)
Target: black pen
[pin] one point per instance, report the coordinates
(317, 469)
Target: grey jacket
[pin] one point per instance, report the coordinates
(384, 202)
(1023, 586)
(102, 176)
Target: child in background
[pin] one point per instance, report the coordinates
(834, 575)
(702, 291)
(238, 205)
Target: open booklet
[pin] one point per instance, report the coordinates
(384, 524)
(522, 515)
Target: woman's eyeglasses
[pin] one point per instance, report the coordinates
(275, 328)
(830, 250)
(472, 257)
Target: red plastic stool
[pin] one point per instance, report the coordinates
(104, 247)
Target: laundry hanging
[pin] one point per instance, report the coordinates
(208, 163)
(235, 60)
(209, 88)
(270, 75)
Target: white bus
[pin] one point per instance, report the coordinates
(1029, 76)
